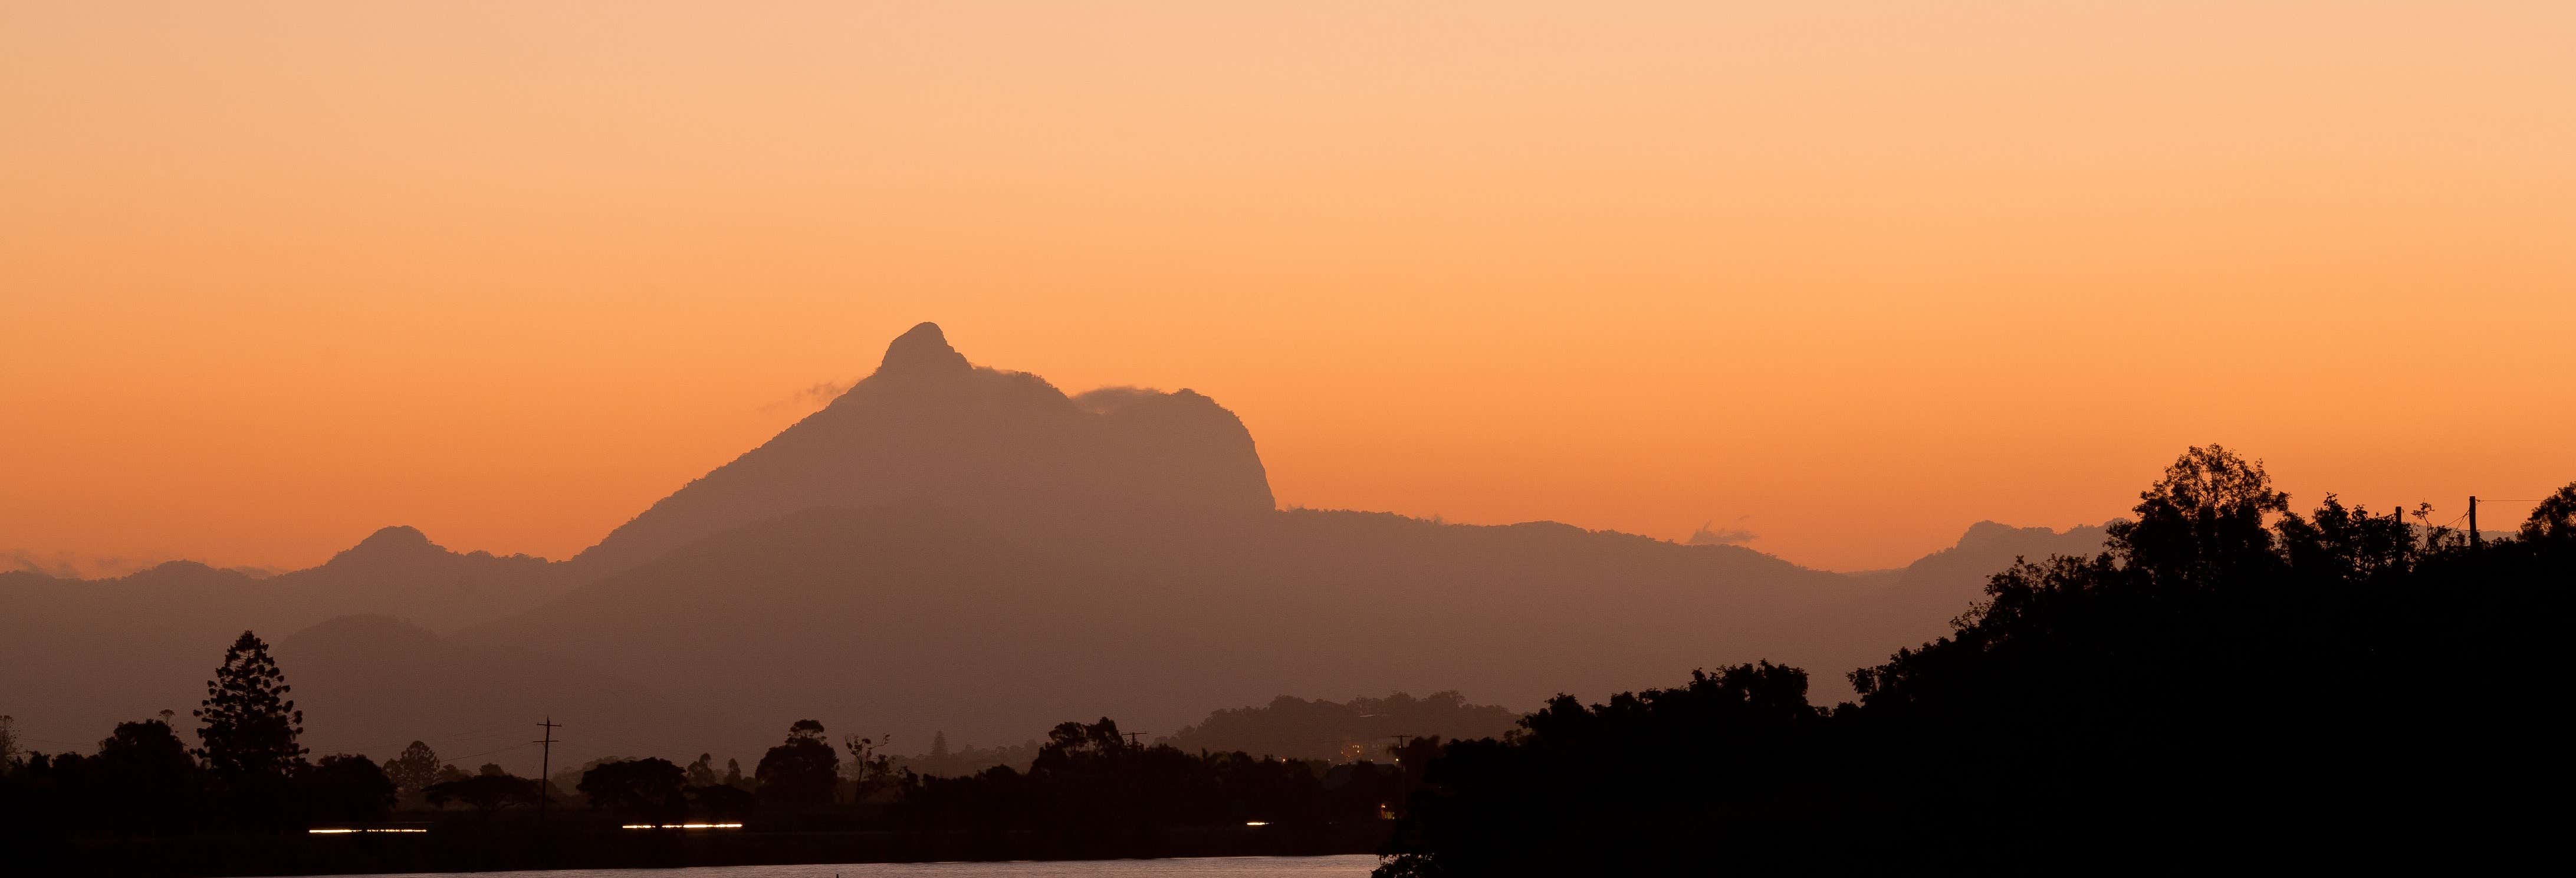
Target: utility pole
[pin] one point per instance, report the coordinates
(545, 764)
(2475, 540)
(1132, 736)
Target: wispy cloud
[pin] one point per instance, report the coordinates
(817, 396)
(1107, 399)
(66, 565)
(1707, 535)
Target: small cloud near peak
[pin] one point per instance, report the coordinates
(820, 394)
(1709, 535)
(1109, 399)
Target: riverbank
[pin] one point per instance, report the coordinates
(528, 847)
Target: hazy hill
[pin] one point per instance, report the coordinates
(398, 571)
(77, 656)
(371, 684)
(1361, 728)
(918, 618)
(1948, 581)
(1915, 603)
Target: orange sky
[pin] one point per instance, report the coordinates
(1847, 275)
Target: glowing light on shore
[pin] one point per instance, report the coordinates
(348, 831)
(1256, 823)
(681, 826)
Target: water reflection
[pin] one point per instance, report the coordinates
(1353, 866)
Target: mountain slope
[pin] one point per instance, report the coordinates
(372, 684)
(917, 617)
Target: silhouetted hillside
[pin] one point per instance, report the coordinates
(1362, 728)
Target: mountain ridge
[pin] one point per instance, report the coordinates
(947, 546)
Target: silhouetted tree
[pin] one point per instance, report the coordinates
(800, 772)
(487, 794)
(2554, 520)
(147, 778)
(648, 788)
(2204, 521)
(723, 802)
(249, 733)
(342, 788)
(702, 773)
(871, 771)
(413, 771)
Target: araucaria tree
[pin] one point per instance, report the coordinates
(250, 726)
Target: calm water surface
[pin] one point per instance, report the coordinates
(1353, 866)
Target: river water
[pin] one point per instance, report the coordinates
(1352, 866)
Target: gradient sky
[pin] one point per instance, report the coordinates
(1848, 275)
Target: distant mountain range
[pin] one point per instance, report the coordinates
(954, 548)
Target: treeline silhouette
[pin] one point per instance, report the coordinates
(1089, 780)
(148, 803)
(2230, 683)
(246, 774)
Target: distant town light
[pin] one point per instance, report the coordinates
(1256, 823)
(681, 826)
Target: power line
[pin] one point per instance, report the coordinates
(502, 750)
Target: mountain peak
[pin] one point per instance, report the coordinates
(400, 537)
(922, 350)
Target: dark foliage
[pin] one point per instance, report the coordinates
(413, 771)
(487, 794)
(801, 772)
(652, 789)
(146, 781)
(723, 802)
(344, 789)
(249, 730)
(2230, 683)
(250, 726)
(1089, 780)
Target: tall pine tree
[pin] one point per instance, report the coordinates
(250, 726)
